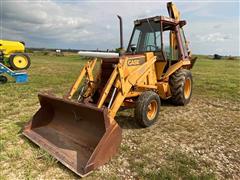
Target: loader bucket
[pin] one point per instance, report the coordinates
(80, 136)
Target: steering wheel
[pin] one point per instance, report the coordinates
(149, 45)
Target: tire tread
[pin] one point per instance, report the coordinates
(176, 83)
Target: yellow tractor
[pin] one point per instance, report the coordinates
(80, 130)
(12, 55)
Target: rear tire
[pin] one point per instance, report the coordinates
(19, 61)
(147, 108)
(181, 87)
(3, 79)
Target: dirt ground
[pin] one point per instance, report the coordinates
(197, 141)
(201, 136)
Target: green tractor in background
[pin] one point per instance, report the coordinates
(12, 55)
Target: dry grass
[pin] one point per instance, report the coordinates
(198, 141)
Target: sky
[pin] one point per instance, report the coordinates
(212, 26)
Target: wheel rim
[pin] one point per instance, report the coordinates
(187, 88)
(20, 62)
(152, 110)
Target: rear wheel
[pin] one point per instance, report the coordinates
(181, 87)
(19, 61)
(147, 108)
(3, 79)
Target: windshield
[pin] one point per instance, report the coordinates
(146, 37)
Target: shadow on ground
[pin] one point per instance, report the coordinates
(125, 117)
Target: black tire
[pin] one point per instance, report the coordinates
(12, 64)
(142, 108)
(1, 57)
(181, 87)
(3, 79)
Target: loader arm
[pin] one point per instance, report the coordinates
(128, 82)
(87, 71)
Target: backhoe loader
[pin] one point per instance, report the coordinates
(79, 129)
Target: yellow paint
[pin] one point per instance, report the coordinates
(86, 71)
(10, 47)
(159, 66)
(20, 62)
(152, 110)
(187, 88)
(175, 14)
(131, 81)
(164, 90)
(107, 88)
(175, 67)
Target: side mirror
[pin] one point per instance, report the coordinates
(133, 48)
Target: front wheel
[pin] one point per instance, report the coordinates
(147, 108)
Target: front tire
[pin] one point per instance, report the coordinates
(147, 108)
(181, 87)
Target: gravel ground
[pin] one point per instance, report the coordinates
(197, 141)
(206, 131)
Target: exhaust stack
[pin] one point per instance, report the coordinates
(121, 32)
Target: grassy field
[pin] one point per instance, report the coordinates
(198, 141)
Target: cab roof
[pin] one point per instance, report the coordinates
(160, 18)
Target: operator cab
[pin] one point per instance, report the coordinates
(153, 35)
